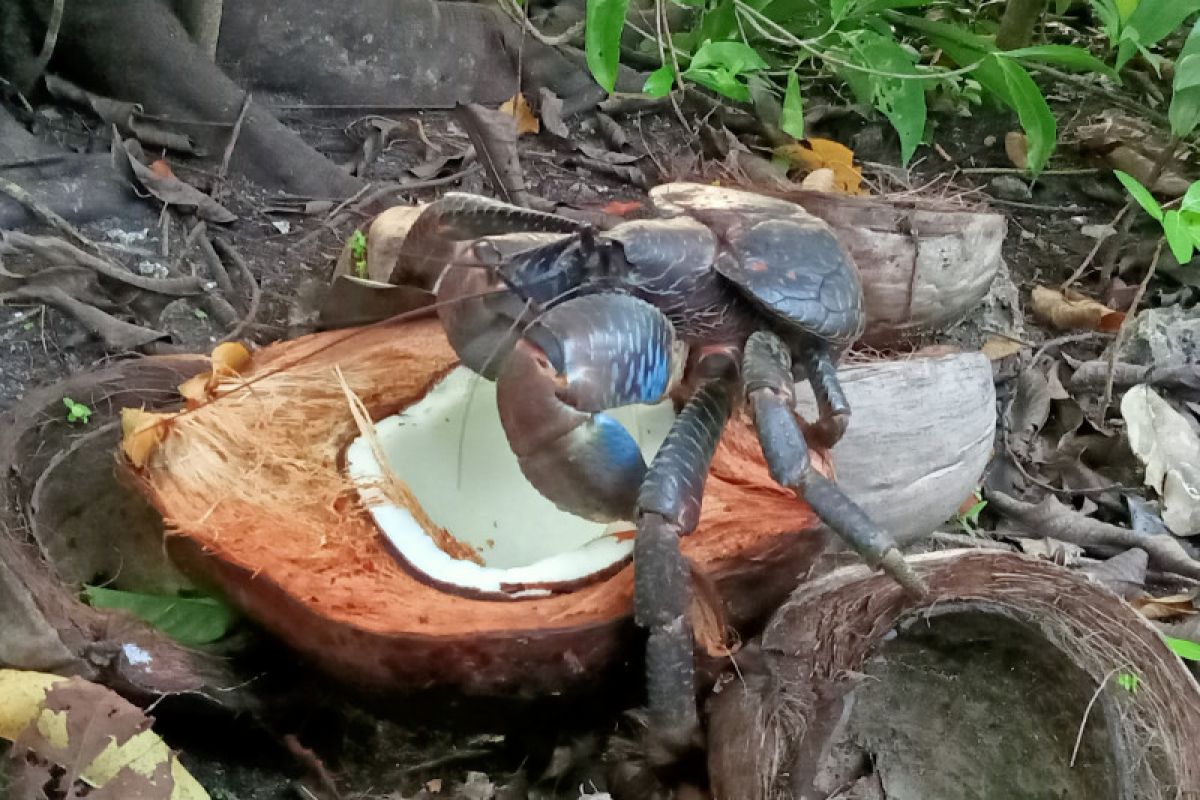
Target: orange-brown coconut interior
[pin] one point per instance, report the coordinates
(253, 478)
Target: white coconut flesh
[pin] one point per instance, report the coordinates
(476, 492)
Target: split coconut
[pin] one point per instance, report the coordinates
(445, 568)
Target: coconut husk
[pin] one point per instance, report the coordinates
(255, 502)
(776, 731)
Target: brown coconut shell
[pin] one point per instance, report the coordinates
(250, 488)
(775, 728)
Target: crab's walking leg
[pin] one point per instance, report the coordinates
(767, 374)
(669, 508)
(832, 408)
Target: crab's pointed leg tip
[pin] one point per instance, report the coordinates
(893, 564)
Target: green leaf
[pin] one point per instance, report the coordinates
(791, 119)
(188, 620)
(1191, 198)
(1184, 111)
(723, 66)
(1036, 118)
(719, 22)
(1179, 237)
(901, 101)
(605, 20)
(1063, 55)
(1140, 193)
(77, 412)
(736, 57)
(956, 36)
(1154, 19)
(1184, 648)
(1129, 682)
(659, 82)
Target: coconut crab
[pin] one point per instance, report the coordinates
(725, 296)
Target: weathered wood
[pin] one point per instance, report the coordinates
(919, 438)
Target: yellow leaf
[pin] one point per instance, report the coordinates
(998, 347)
(1073, 311)
(815, 154)
(195, 389)
(230, 358)
(518, 107)
(21, 696)
(142, 432)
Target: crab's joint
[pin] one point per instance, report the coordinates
(769, 388)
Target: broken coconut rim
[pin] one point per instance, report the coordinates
(451, 451)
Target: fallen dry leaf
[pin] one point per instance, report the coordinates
(1071, 310)
(141, 433)
(814, 154)
(518, 108)
(96, 738)
(1176, 605)
(620, 208)
(1016, 147)
(998, 347)
(819, 180)
(1163, 440)
(166, 188)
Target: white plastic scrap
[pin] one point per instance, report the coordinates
(1164, 441)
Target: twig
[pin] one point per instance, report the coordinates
(1091, 256)
(1087, 712)
(1070, 338)
(1051, 519)
(1016, 171)
(1093, 374)
(233, 139)
(45, 213)
(1126, 326)
(255, 290)
(1140, 109)
(450, 758)
(219, 273)
(58, 251)
(49, 42)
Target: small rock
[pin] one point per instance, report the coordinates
(179, 319)
(989, 141)
(1097, 231)
(1010, 187)
(152, 269)
(1167, 336)
(477, 787)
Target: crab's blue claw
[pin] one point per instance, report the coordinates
(582, 357)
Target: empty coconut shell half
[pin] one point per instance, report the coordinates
(445, 568)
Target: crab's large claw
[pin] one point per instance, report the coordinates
(578, 359)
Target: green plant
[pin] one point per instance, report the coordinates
(358, 253)
(1184, 648)
(77, 412)
(1181, 228)
(1129, 681)
(739, 48)
(188, 620)
(969, 520)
